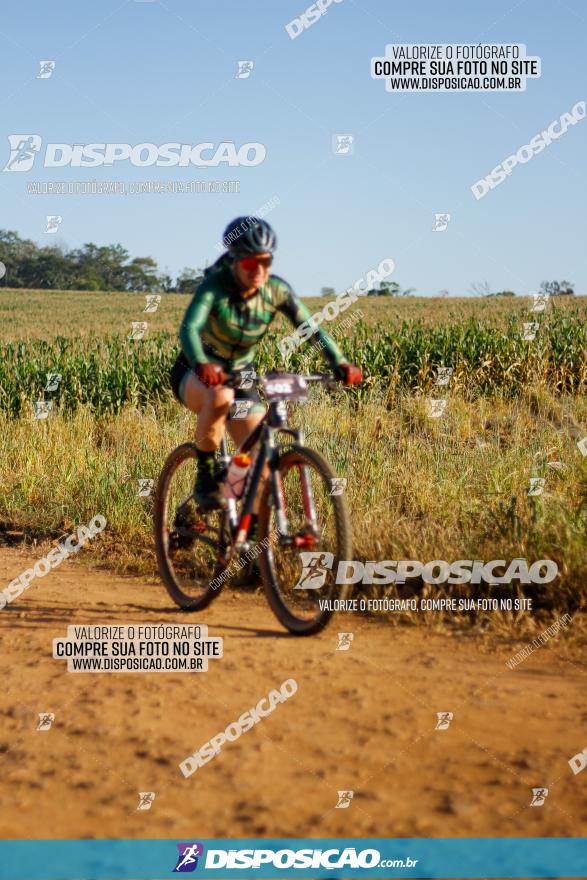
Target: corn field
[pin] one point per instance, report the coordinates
(108, 372)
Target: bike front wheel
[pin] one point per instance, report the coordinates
(300, 567)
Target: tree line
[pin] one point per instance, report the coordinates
(91, 267)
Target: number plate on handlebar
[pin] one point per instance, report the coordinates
(285, 386)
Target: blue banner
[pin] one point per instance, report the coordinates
(299, 857)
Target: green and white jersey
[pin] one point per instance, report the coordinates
(222, 327)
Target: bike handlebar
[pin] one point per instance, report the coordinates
(234, 378)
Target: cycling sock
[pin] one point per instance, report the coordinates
(205, 460)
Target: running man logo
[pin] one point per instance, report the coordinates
(53, 223)
(344, 800)
(343, 144)
(247, 378)
(444, 374)
(315, 567)
(344, 641)
(53, 381)
(245, 68)
(153, 302)
(444, 719)
(540, 301)
(138, 330)
(41, 409)
(441, 222)
(145, 488)
(539, 795)
(338, 485)
(146, 799)
(47, 68)
(240, 409)
(530, 330)
(46, 719)
(536, 486)
(23, 151)
(187, 860)
(436, 408)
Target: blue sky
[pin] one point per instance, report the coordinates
(164, 71)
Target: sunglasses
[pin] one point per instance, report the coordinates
(249, 264)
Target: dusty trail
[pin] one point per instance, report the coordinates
(362, 719)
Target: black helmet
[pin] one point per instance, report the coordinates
(247, 236)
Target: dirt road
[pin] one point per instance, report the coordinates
(361, 720)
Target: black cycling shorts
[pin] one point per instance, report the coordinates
(181, 368)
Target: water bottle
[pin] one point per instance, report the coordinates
(237, 474)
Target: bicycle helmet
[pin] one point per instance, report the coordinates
(247, 236)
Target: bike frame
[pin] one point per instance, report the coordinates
(265, 435)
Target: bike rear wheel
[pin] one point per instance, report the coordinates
(309, 555)
(190, 545)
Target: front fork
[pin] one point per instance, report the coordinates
(268, 453)
(309, 532)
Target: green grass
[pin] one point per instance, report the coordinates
(418, 488)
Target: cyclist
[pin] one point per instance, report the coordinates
(226, 320)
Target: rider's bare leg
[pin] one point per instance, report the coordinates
(211, 403)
